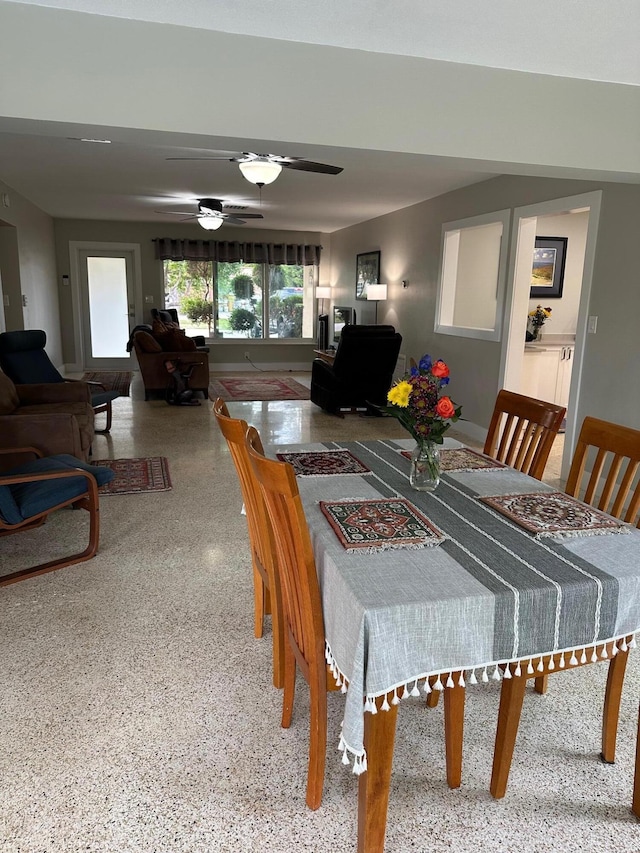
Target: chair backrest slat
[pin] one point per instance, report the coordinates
(608, 483)
(522, 431)
(301, 593)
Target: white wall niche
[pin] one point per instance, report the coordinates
(473, 263)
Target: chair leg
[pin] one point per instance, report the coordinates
(258, 603)
(511, 699)
(434, 697)
(541, 683)
(613, 693)
(288, 694)
(107, 410)
(453, 733)
(277, 631)
(317, 739)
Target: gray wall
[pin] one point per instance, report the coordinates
(223, 353)
(409, 241)
(28, 265)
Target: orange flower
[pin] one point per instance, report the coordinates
(440, 370)
(445, 407)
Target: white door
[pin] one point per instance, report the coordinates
(107, 297)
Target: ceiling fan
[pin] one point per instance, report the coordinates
(263, 169)
(211, 214)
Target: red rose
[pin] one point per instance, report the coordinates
(441, 371)
(445, 407)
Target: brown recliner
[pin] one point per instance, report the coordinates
(54, 417)
(151, 359)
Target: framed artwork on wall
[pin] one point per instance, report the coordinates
(367, 272)
(547, 271)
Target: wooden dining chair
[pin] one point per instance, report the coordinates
(522, 431)
(612, 484)
(266, 586)
(521, 434)
(304, 645)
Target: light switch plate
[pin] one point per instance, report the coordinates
(592, 325)
(148, 300)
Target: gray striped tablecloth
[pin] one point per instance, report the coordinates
(491, 593)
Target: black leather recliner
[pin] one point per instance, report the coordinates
(362, 371)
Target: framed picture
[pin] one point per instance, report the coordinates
(547, 272)
(367, 272)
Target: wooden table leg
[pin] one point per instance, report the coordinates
(453, 732)
(373, 785)
(511, 699)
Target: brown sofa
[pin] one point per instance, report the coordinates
(152, 357)
(54, 418)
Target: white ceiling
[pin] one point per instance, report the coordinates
(131, 179)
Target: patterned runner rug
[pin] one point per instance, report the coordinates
(113, 380)
(145, 474)
(257, 388)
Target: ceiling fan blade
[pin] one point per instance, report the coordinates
(308, 166)
(233, 220)
(230, 159)
(176, 213)
(246, 215)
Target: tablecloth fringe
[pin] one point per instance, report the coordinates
(340, 678)
(493, 671)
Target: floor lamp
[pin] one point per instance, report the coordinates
(323, 292)
(377, 293)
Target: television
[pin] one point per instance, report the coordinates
(341, 316)
(323, 331)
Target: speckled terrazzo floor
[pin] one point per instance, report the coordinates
(137, 712)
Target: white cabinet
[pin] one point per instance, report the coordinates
(564, 375)
(546, 373)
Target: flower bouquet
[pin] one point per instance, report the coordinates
(418, 402)
(537, 319)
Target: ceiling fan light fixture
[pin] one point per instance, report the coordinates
(211, 223)
(260, 172)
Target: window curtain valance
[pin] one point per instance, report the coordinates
(235, 252)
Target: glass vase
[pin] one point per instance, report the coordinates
(425, 467)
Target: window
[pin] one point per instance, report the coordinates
(472, 272)
(242, 300)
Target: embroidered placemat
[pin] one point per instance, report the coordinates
(374, 524)
(554, 514)
(464, 459)
(324, 463)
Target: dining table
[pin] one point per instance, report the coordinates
(421, 590)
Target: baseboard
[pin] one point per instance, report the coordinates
(247, 367)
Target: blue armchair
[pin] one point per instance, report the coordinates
(24, 359)
(33, 490)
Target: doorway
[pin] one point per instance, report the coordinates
(551, 368)
(106, 303)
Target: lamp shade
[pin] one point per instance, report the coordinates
(377, 292)
(211, 223)
(260, 172)
(323, 292)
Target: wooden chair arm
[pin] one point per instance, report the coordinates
(18, 450)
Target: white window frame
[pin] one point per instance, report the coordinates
(448, 271)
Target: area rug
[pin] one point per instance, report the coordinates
(132, 476)
(113, 380)
(257, 388)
